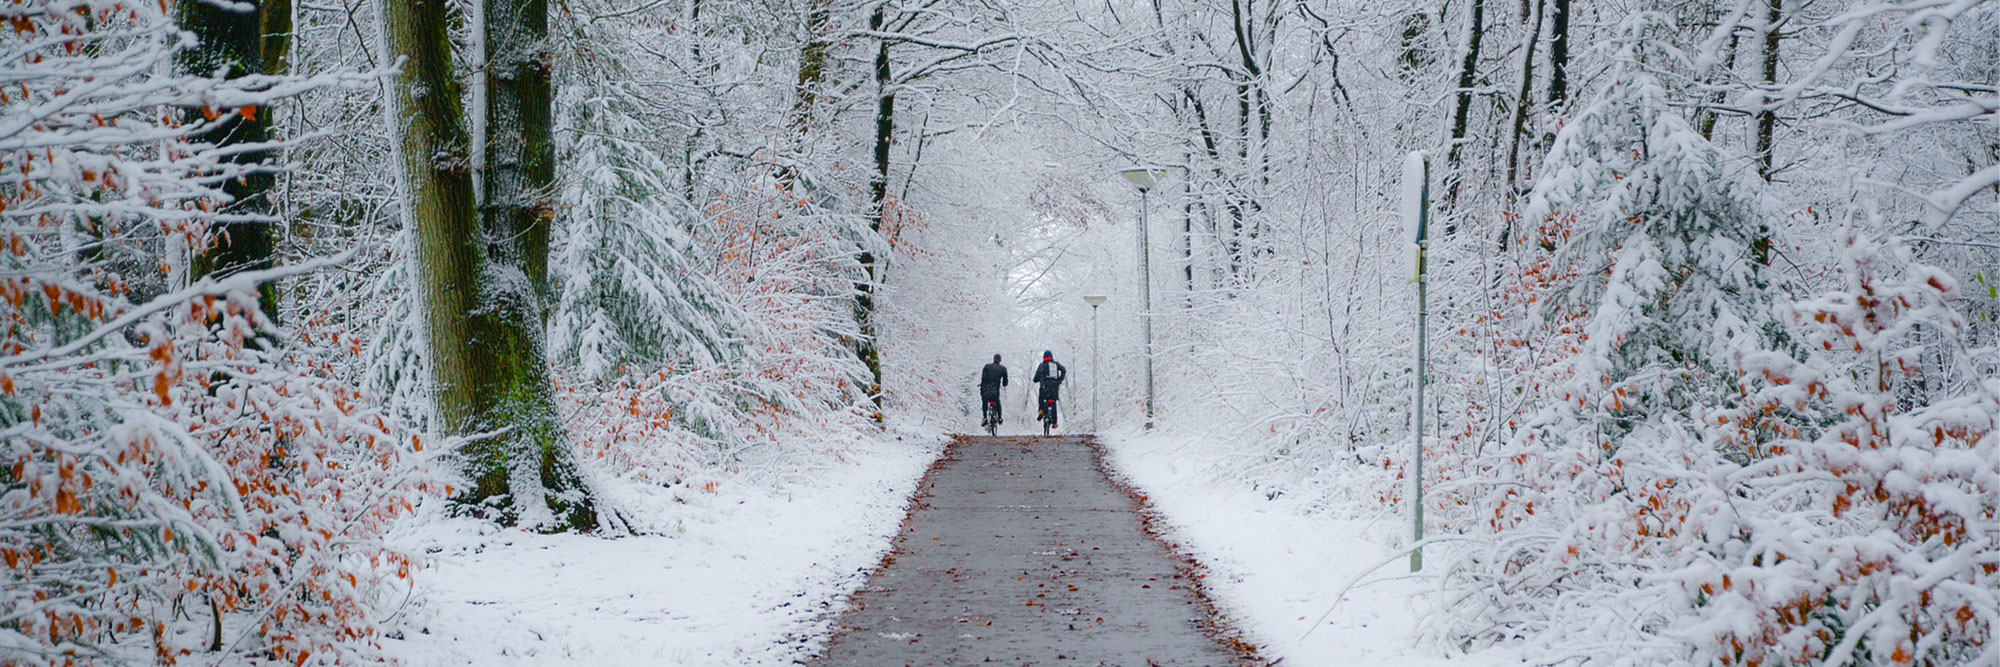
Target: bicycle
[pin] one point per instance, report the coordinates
(1048, 416)
(990, 413)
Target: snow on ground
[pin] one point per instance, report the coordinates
(753, 577)
(1274, 568)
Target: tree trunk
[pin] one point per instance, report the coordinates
(480, 301)
(1559, 52)
(812, 75)
(1414, 59)
(1239, 234)
(1767, 119)
(1709, 115)
(878, 192)
(1211, 147)
(1187, 224)
(232, 44)
(1522, 103)
(520, 188)
(520, 172)
(1180, 107)
(1468, 74)
(812, 66)
(276, 17)
(1252, 96)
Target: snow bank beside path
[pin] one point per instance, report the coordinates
(752, 578)
(1274, 568)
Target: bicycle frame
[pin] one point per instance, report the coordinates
(989, 415)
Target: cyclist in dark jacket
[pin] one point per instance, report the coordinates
(991, 379)
(1050, 376)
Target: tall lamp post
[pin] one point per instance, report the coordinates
(1145, 178)
(1094, 300)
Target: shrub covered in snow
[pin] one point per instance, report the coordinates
(182, 475)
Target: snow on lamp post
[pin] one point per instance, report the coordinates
(1145, 178)
(1094, 300)
(1416, 223)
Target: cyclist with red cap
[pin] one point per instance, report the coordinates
(1050, 376)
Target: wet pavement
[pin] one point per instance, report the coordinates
(1021, 551)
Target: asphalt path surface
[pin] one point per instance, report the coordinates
(1022, 551)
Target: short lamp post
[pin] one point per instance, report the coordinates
(1145, 178)
(1094, 300)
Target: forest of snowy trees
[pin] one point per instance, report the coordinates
(1714, 363)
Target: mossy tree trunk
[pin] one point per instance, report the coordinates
(482, 282)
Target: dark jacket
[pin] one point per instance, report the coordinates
(992, 378)
(1050, 376)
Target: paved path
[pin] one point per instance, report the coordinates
(1020, 551)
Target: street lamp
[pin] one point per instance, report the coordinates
(1145, 178)
(1094, 300)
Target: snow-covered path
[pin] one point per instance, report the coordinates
(1020, 551)
(749, 581)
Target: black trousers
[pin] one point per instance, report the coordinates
(986, 397)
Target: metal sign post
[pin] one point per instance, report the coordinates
(1421, 170)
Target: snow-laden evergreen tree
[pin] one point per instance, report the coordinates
(394, 364)
(633, 291)
(1620, 478)
(702, 295)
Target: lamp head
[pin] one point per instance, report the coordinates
(1144, 177)
(1095, 300)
